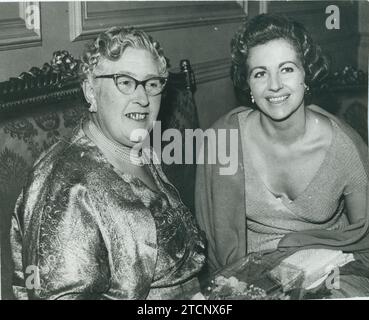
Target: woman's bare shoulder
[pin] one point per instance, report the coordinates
(320, 119)
(321, 127)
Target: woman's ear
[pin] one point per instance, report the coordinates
(89, 93)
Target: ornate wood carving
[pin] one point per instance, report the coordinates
(55, 81)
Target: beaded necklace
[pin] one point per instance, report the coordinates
(119, 151)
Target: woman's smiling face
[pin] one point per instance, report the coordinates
(276, 78)
(118, 114)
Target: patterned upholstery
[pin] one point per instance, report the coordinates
(22, 140)
(43, 106)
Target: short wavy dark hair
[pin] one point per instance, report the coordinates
(266, 27)
(112, 43)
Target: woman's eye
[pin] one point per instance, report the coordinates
(259, 74)
(287, 69)
(153, 84)
(125, 82)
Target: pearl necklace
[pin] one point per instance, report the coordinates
(119, 151)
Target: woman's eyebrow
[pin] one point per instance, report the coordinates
(133, 75)
(280, 65)
(289, 61)
(257, 67)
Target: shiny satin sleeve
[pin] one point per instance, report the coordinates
(68, 239)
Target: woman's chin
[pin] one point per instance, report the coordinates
(279, 115)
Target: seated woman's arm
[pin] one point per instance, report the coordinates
(356, 189)
(356, 204)
(76, 254)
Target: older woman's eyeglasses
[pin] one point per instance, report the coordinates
(127, 84)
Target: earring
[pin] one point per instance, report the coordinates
(93, 107)
(252, 98)
(306, 87)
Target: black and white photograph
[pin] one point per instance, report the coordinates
(208, 151)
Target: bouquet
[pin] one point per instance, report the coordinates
(231, 288)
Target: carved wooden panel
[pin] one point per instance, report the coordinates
(20, 25)
(87, 19)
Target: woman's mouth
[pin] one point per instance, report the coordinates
(137, 116)
(279, 99)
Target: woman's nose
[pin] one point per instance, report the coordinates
(141, 96)
(275, 83)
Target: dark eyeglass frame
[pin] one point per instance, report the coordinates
(116, 76)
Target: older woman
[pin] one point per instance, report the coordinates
(302, 179)
(95, 221)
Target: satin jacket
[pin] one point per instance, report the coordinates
(82, 230)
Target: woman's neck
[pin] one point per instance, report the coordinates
(287, 131)
(117, 154)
